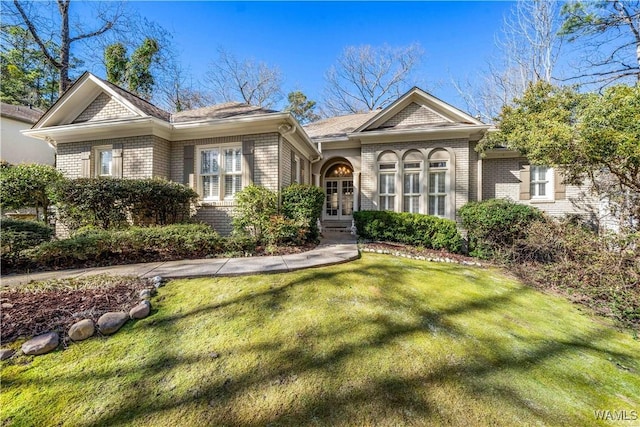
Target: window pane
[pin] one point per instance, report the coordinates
(412, 183)
(232, 160)
(106, 157)
(210, 186)
(387, 183)
(441, 182)
(411, 204)
(209, 161)
(387, 203)
(232, 184)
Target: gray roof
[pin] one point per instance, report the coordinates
(21, 113)
(338, 126)
(140, 103)
(219, 111)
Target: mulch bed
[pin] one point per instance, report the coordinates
(56, 305)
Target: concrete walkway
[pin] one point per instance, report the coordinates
(334, 248)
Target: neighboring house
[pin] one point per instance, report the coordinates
(14, 146)
(416, 155)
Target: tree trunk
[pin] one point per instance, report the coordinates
(65, 42)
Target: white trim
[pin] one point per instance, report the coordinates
(221, 171)
(97, 166)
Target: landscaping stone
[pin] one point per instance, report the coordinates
(141, 310)
(6, 353)
(145, 294)
(110, 323)
(41, 344)
(82, 330)
(7, 305)
(157, 281)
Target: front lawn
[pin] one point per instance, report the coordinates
(379, 341)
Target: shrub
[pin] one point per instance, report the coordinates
(304, 203)
(135, 244)
(600, 271)
(283, 231)
(414, 229)
(116, 203)
(18, 235)
(28, 186)
(494, 225)
(255, 206)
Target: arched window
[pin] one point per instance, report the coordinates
(412, 181)
(387, 169)
(438, 182)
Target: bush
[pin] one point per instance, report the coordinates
(135, 244)
(18, 235)
(28, 186)
(255, 206)
(284, 231)
(599, 271)
(495, 225)
(414, 229)
(116, 203)
(304, 203)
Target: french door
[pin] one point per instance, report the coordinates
(339, 199)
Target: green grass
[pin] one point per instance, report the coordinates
(381, 341)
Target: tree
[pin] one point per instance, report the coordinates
(28, 186)
(528, 47)
(366, 78)
(68, 33)
(27, 78)
(135, 71)
(301, 108)
(611, 32)
(254, 83)
(177, 91)
(589, 136)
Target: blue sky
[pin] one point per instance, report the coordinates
(305, 38)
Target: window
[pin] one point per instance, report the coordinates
(103, 161)
(387, 191)
(220, 172)
(437, 193)
(412, 182)
(438, 177)
(540, 182)
(387, 169)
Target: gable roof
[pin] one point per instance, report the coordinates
(447, 112)
(144, 106)
(20, 113)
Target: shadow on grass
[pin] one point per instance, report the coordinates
(402, 395)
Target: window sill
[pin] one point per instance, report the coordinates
(541, 201)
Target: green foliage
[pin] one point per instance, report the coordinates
(114, 203)
(135, 71)
(583, 134)
(414, 229)
(304, 203)
(301, 108)
(135, 244)
(28, 186)
(18, 235)
(495, 225)
(255, 206)
(27, 77)
(283, 231)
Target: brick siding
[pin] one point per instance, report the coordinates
(414, 114)
(103, 108)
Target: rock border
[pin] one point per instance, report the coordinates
(421, 257)
(108, 324)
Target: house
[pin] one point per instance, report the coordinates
(416, 155)
(14, 146)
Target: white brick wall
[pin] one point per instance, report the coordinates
(459, 147)
(103, 108)
(414, 114)
(501, 180)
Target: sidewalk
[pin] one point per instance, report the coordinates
(334, 248)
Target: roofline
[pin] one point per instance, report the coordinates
(416, 90)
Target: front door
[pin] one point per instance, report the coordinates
(339, 199)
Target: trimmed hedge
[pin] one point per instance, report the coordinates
(135, 244)
(414, 229)
(116, 203)
(19, 235)
(495, 225)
